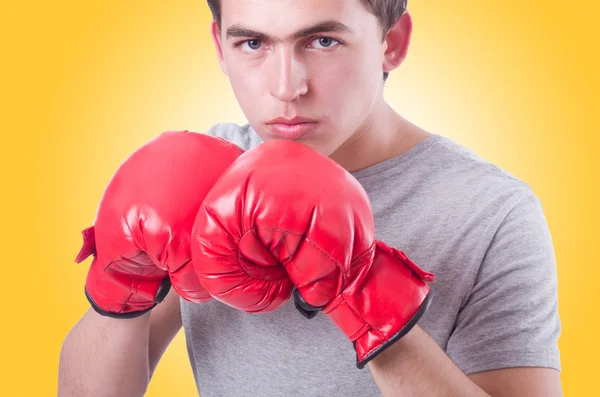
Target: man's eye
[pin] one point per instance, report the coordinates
(325, 42)
(252, 44)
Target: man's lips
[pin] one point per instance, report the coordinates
(293, 120)
(293, 128)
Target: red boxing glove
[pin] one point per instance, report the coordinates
(282, 205)
(232, 255)
(141, 234)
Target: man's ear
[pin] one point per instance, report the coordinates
(397, 41)
(216, 38)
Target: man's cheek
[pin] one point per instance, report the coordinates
(246, 89)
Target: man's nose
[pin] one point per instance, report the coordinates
(286, 74)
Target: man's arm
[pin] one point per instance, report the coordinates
(103, 356)
(417, 366)
(506, 334)
(165, 323)
(528, 381)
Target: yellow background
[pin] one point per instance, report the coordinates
(86, 83)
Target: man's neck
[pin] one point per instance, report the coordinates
(384, 135)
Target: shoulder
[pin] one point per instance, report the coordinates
(448, 189)
(241, 135)
(479, 182)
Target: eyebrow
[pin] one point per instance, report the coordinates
(325, 26)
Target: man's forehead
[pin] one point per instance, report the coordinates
(286, 20)
(297, 5)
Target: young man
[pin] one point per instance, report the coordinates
(313, 71)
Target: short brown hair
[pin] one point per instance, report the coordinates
(386, 11)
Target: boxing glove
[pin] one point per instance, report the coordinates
(140, 238)
(282, 209)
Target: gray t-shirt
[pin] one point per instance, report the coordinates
(479, 229)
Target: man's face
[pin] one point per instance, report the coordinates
(308, 70)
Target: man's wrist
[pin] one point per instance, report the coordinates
(404, 348)
(415, 365)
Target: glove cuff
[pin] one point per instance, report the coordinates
(363, 359)
(382, 304)
(161, 293)
(105, 313)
